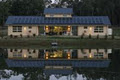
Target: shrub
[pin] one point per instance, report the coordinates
(106, 36)
(89, 36)
(98, 36)
(113, 37)
(34, 35)
(28, 36)
(21, 35)
(15, 36)
(82, 36)
(11, 36)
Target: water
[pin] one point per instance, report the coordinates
(59, 64)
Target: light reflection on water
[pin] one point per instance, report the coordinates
(59, 64)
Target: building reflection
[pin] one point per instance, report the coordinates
(66, 54)
(23, 53)
(58, 61)
(93, 53)
(105, 65)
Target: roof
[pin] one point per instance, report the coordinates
(58, 11)
(75, 20)
(73, 63)
(58, 71)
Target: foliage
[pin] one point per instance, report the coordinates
(109, 8)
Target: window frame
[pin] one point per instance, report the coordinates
(99, 29)
(17, 29)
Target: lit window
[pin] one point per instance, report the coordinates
(98, 29)
(17, 28)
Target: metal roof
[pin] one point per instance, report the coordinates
(75, 20)
(57, 71)
(58, 11)
(73, 63)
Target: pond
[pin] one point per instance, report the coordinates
(59, 64)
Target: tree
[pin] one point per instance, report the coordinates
(4, 11)
(27, 7)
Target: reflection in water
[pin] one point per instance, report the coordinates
(22, 53)
(67, 64)
(59, 54)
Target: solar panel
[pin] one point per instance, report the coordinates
(100, 20)
(89, 20)
(19, 19)
(15, 20)
(42, 20)
(97, 21)
(33, 20)
(22, 20)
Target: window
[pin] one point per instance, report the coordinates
(30, 27)
(85, 27)
(52, 15)
(65, 15)
(98, 29)
(17, 28)
(99, 54)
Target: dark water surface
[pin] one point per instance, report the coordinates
(59, 64)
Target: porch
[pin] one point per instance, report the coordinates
(57, 30)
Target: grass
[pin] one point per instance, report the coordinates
(116, 31)
(68, 42)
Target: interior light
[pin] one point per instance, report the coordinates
(46, 57)
(90, 28)
(68, 29)
(25, 28)
(25, 55)
(55, 27)
(68, 57)
(90, 55)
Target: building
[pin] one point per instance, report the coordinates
(58, 21)
(54, 54)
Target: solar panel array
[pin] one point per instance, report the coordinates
(76, 20)
(42, 63)
(56, 71)
(58, 11)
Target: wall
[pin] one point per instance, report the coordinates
(90, 31)
(90, 55)
(58, 15)
(24, 54)
(25, 31)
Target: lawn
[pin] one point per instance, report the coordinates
(62, 42)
